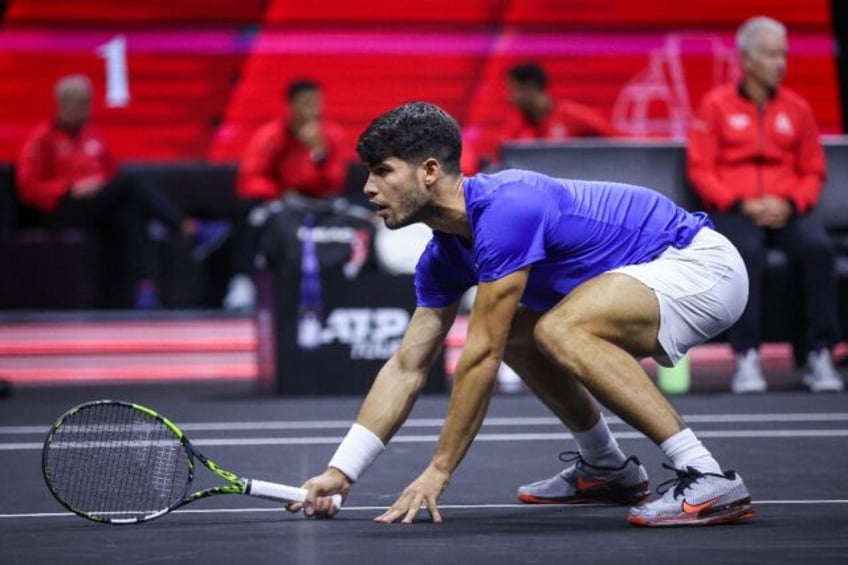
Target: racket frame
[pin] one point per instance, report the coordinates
(234, 483)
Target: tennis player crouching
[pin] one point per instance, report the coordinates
(576, 281)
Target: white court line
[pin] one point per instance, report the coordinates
(437, 422)
(529, 507)
(432, 438)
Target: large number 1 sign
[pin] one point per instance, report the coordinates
(117, 77)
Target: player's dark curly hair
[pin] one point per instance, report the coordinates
(413, 132)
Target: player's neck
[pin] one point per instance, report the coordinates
(450, 215)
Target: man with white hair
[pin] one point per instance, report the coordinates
(756, 161)
(65, 171)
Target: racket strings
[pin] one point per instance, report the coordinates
(116, 462)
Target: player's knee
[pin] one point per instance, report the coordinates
(559, 336)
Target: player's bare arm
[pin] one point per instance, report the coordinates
(390, 399)
(488, 329)
(404, 375)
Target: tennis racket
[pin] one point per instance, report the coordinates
(122, 463)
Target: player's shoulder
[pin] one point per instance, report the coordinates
(506, 178)
(503, 199)
(520, 182)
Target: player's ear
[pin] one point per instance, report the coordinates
(432, 171)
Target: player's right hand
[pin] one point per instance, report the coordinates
(319, 489)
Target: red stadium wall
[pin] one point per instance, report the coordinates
(191, 79)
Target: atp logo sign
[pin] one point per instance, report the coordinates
(371, 333)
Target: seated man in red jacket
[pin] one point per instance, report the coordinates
(540, 116)
(537, 115)
(755, 159)
(64, 170)
(301, 153)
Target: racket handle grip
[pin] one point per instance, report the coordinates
(282, 493)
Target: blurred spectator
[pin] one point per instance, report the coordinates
(536, 115)
(756, 161)
(300, 153)
(66, 173)
(540, 116)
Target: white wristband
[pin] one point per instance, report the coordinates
(359, 448)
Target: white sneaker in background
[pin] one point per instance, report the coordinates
(508, 380)
(241, 294)
(749, 376)
(820, 375)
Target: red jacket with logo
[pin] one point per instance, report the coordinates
(53, 158)
(275, 162)
(567, 119)
(736, 151)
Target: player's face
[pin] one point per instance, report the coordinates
(396, 189)
(766, 62)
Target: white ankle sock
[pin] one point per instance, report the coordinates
(686, 450)
(599, 447)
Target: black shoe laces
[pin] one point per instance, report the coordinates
(685, 478)
(575, 457)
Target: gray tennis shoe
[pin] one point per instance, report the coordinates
(694, 498)
(584, 483)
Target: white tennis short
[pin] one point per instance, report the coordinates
(702, 290)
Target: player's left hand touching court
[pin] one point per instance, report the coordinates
(423, 492)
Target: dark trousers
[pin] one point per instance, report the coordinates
(807, 245)
(119, 213)
(245, 236)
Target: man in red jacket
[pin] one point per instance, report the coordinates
(539, 116)
(755, 159)
(301, 153)
(65, 171)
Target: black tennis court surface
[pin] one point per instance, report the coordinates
(791, 448)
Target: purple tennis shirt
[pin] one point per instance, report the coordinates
(567, 231)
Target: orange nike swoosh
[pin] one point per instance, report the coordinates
(697, 508)
(586, 484)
